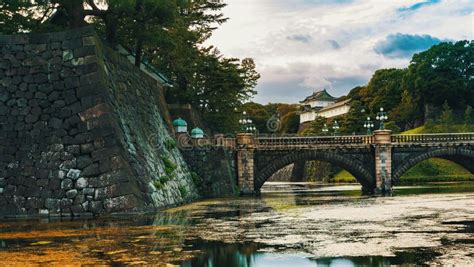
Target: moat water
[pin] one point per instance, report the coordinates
(289, 225)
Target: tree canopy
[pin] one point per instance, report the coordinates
(440, 79)
(168, 34)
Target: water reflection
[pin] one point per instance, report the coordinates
(215, 254)
(289, 225)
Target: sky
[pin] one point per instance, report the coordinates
(301, 46)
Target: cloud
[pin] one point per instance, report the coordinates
(418, 5)
(333, 44)
(303, 45)
(404, 45)
(303, 38)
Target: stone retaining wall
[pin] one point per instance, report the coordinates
(215, 170)
(81, 131)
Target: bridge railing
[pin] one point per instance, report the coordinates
(433, 138)
(281, 142)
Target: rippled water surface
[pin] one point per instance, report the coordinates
(289, 225)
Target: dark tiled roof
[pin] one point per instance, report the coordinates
(319, 95)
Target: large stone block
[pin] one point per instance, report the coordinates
(91, 170)
(122, 203)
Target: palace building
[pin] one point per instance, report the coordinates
(322, 104)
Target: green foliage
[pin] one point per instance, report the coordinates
(158, 185)
(261, 114)
(290, 122)
(447, 116)
(468, 115)
(391, 125)
(431, 170)
(27, 16)
(425, 168)
(183, 191)
(315, 127)
(170, 166)
(384, 89)
(440, 74)
(442, 128)
(197, 180)
(221, 86)
(170, 144)
(162, 180)
(436, 167)
(344, 177)
(168, 34)
(353, 122)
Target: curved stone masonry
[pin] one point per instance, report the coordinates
(410, 156)
(81, 131)
(271, 164)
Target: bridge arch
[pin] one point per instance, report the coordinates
(362, 174)
(463, 157)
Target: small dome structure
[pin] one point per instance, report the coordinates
(180, 125)
(197, 133)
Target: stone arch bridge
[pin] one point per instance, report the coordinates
(377, 161)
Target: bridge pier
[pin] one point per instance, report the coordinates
(245, 163)
(383, 161)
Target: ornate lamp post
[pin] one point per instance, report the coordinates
(369, 125)
(246, 124)
(252, 129)
(381, 116)
(335, 127)
(325, 129)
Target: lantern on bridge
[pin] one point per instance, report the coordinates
(197, 133)
(180, 125)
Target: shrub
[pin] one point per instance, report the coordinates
(183, 191)
(170, 166)
(158, 184)
(170, 144)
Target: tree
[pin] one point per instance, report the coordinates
(447, 116)
(392, 126)
(385, 89)
(442, 73)
(353, 122)
(169, 34)
(259, 114)
(134, 24)
(26, 16)
(290, 122)
(315, 127)
(468, 115)
(220, 86)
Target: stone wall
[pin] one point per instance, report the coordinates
(282, 175)
(215, 170)
(81, 131)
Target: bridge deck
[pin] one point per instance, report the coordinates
(361, 141)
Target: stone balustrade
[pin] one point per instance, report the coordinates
(301, 142)
(286, 141)
(433, 138)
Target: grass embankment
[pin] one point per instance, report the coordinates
(431, 170)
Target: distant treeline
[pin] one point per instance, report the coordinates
(437, 88)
